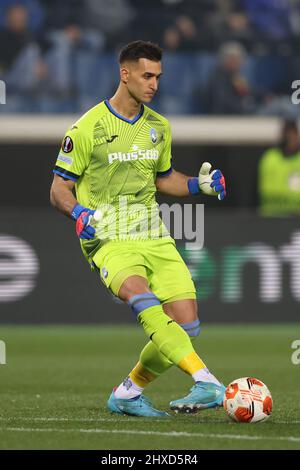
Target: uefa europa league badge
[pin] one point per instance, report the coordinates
(153, 135)
(67, 144)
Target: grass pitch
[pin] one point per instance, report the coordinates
(54, 387)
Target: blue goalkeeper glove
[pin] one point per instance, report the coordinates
(83, 217)
(211, 184)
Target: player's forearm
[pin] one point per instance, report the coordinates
(62, 198)
(175, 184)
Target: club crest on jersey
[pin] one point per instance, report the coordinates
(153, 135)
(67, 144)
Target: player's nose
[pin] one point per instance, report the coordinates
(154, 85)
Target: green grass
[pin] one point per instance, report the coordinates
(54, 387)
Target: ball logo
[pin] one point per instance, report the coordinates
(153, 135)
(67, 144)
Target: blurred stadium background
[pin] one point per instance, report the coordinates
(229, 68)
(227, 85)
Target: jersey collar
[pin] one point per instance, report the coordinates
(130, 121)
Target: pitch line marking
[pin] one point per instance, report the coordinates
(131, 419)
(155, 433)
(58, 419)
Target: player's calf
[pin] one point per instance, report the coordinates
(192, 328)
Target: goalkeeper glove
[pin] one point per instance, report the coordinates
(211, 184)
(83, 217)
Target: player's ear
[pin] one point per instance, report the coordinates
(124, 74)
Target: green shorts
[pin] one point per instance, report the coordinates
(156, 260)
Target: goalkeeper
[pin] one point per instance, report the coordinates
(119, 154)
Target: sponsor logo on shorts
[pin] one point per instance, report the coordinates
(104, 272)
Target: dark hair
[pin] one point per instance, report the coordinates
(289, 125)
(140, 50)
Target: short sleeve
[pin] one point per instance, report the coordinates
(164, 166)
(74, 155)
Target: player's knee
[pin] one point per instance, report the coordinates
(192, 328)
(141, 302)
(133, 285)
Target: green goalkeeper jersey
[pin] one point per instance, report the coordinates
(114, 162)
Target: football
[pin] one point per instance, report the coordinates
(248, 400)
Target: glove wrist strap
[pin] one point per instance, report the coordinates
(76, 211)
(193, 185)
